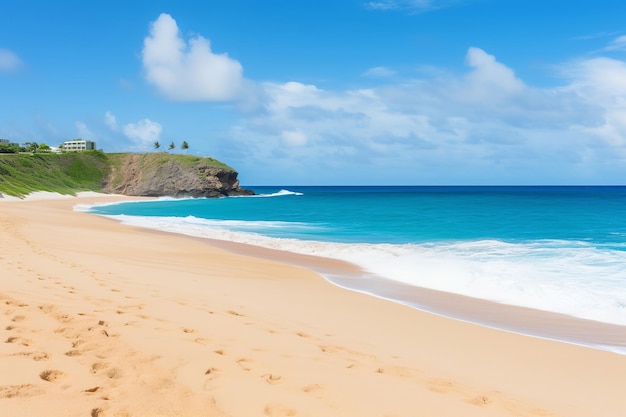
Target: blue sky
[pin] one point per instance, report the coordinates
(330, 92)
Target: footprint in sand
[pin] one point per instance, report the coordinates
(211, 371)
(68, 332)
(271, 378)
(480, 400)
(47, 308)
(38, 356)
(235, 313)
(51, 375)
(211, 374)
(97, 412)
(77, 343)
(18, 340)
(99, 366)
(15, 303)
(18, 318)
(441, 386)
(243, 364)
(312, 387)
(114, 373)
(201, 340)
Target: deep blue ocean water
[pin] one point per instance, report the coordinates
(558, 249)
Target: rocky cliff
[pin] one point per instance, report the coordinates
(161, 174)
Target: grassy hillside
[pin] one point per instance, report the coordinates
(21, 174)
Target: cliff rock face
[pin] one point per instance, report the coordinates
(159, 174)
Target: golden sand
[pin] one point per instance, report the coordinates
(102, 319)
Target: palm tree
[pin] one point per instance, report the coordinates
(172, 146)
(184, 146)
(157, 145)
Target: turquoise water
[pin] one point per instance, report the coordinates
(557, 249)
(414, 214)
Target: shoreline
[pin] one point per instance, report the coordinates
(106, 319)
(503, 317)
(500, 316)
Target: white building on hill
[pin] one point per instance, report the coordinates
(78, 145)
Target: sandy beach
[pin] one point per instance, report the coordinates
(102, 319)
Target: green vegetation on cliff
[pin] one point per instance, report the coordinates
(69, 173)
(21, 174)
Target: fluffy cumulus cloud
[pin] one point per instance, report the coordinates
(489, 75)
(188, 71)
(144, 132)
(482, 126)
(601, 82)
(9, 60)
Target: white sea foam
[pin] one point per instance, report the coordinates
(87, 207)
(573, 278)
(280, 193)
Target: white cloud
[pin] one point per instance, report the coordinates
(399, 4)
(144, 132)
(489, 75)
(84, 132)
(617, 44)
(483, 126)
(188, 71)
(379, 72)
(111, 121)
(409, 5)
(601, 82)
(294, 138)
(9, 61)
(597, 35)
(597, 76)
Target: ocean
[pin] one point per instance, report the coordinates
(560, 250)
